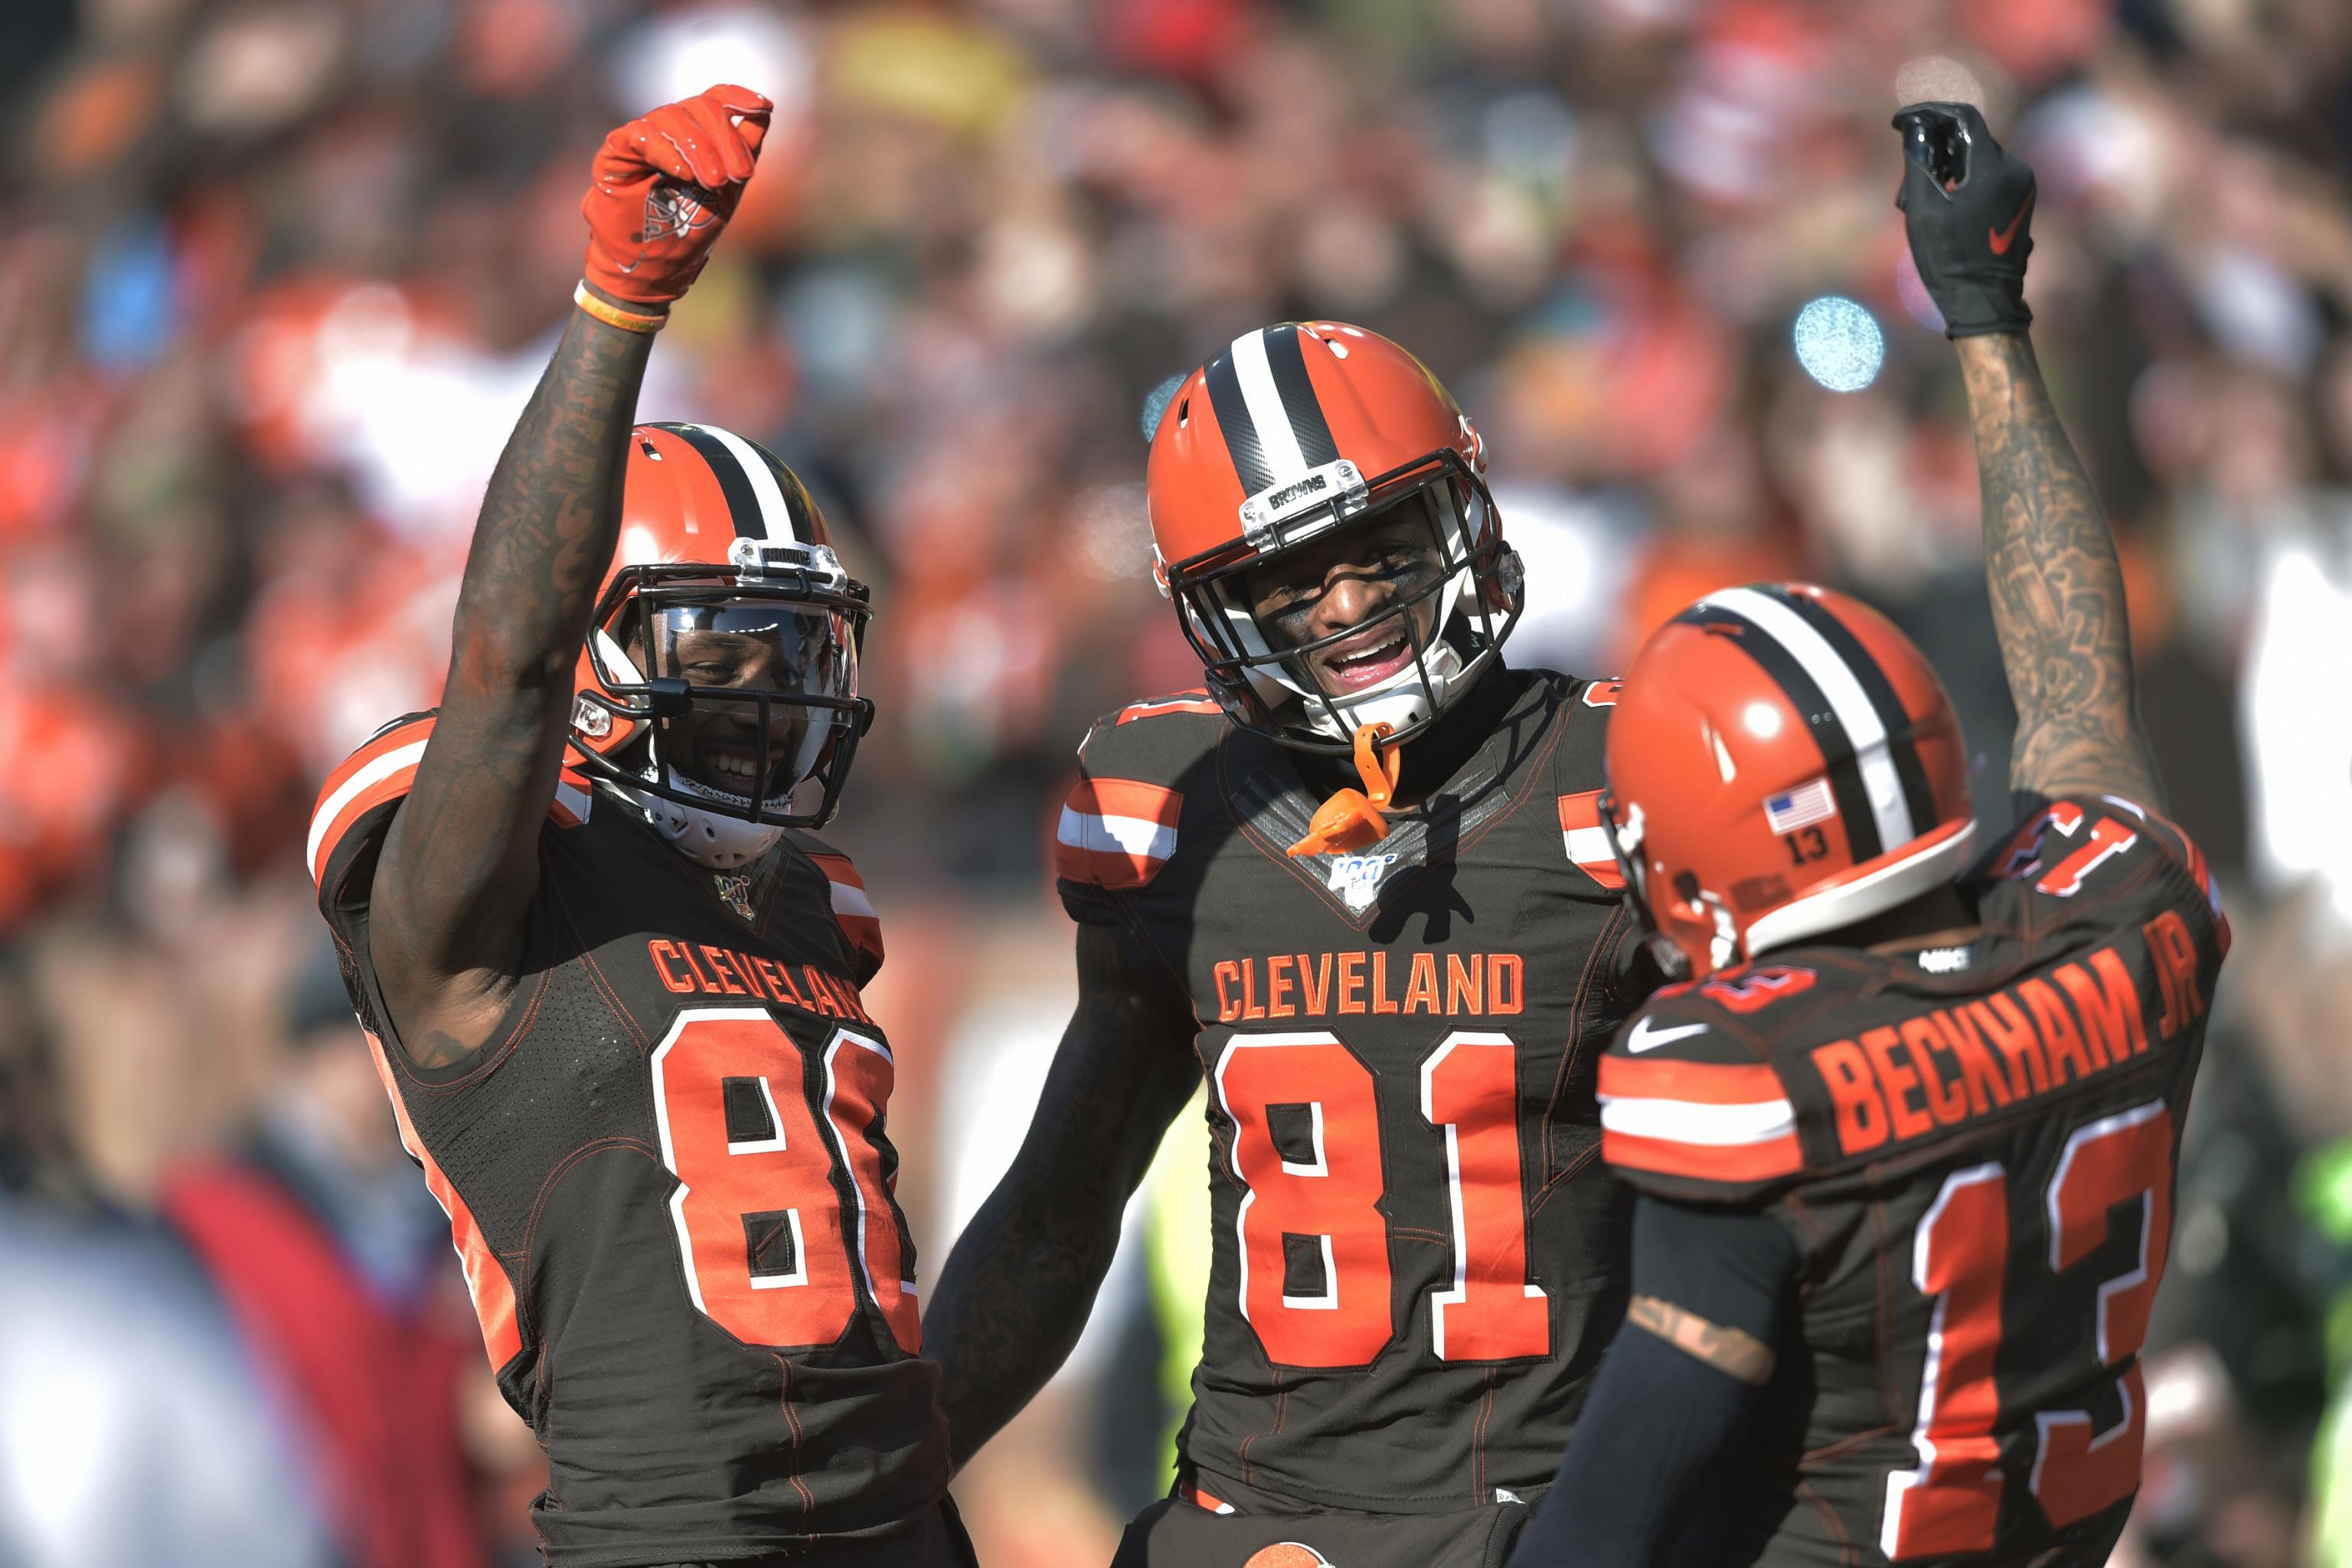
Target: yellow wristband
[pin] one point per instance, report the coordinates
(613, 315)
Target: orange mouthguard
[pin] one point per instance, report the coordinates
(1352, 820)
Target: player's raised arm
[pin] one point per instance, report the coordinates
(2050, 558)
(1018, 1287)
(460, 860)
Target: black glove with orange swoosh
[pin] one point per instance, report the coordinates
(1968, 207)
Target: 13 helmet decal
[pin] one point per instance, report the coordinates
(1294, 431)
(723, 559)
(1781, 762)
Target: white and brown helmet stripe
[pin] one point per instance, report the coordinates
(765, 499)
(1267, 411)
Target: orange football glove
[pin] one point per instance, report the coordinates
(664, 186)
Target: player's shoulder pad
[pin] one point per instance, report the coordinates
(1118, 823)
(1692, 1106)
(2085, 846)
(852, 909)
(352, 804)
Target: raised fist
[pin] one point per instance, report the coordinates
(1966, 205)
(663, 187)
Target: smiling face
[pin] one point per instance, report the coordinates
(1355, 577)
(749, 648)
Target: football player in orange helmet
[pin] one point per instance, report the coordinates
(613, 983)
(1905, 1137)
(1357, 885)
(719, 672)
(1369, 588)
(1751, 690)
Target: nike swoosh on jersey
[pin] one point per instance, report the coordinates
(2001, 238)
(1644, 1037)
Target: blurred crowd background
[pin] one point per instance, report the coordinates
(276, 275)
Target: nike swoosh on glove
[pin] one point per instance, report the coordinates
(1968, 207)
(662, 188)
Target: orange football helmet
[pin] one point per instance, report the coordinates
(1295, 430)
(722, 539)
(1781, 762)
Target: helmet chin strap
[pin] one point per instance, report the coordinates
(1352, 820)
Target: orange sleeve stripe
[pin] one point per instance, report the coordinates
(390, 788)
(1103, 868)
(1126, 798)
(838, 869)
(1183, 703)
(485, 1277)
(356, 786)
(1586, 841)
(1703, 1083)
(1116, 833)
(1705, 1162)
(851, 908)
(340, 805)
(392, 740)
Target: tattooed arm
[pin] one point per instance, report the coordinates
(2057, 588)
(460, 860)
(1022, 1279)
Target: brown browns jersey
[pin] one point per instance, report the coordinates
(1417, 1254)
(669, 1179)
(1973, 1147)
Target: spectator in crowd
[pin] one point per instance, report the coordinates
(134, 1429)
(335, 1264)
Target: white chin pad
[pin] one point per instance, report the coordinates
(1401, 700)
(708, 837)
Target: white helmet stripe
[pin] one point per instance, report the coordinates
(775, 516)
(1274, 435)
(1872, 753)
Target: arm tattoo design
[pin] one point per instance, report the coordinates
(1018, 1288)
(459, 863)
(2057, 589)
(1729, 1351)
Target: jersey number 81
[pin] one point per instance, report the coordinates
(1324, 1195)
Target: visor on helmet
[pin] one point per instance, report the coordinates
(744, 687)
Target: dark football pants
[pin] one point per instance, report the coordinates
(936, 1540)
(1178, 1533)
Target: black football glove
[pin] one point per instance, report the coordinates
(1966, 205)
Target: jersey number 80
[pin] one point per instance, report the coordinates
(767, 1241)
